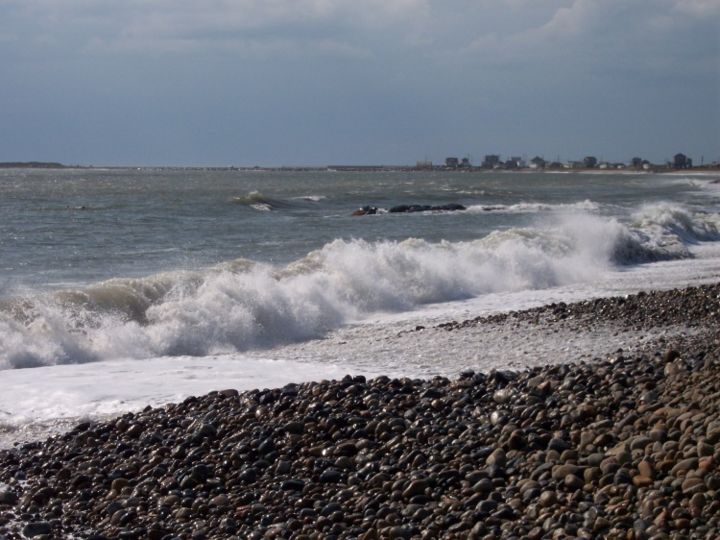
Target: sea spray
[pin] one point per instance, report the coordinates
(673, 223)
(241, 305)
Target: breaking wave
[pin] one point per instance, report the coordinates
(242, 304)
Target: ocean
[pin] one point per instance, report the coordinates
(122, 288)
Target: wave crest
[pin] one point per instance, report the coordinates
(533, 207)
(241, 304)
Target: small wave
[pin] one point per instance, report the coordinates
(240, 305)
(257, 201)
(311, 198)
(532, 207)
(253, 197)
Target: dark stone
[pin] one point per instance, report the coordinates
(293, 485)
(37, 528)
(331, 476)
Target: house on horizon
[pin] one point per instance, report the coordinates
(537, 163)
(681, 161)
(424, 165)
(590, 162)
(515, 162)
(491, 161)
(452, 162)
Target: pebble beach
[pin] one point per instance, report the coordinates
(623, 445)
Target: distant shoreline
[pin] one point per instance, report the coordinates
(358, 168)
(32, 165)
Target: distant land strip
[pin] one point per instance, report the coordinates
(364, 168)
(31, 165)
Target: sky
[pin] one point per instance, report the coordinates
(317, 82)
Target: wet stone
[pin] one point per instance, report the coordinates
(416, 487)
(558, 444)
(331, 476)
(293, 485)
(547, 498)
(36, 528)
(573, 482)
(693, 485)
(7, 497)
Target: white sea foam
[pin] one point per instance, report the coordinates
(311, 198)
(672, 225)
(532, 207)
(242, 305)
(48, 399)
(708, 181)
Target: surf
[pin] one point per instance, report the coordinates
(242, 304)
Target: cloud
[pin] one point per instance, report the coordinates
(698, 8)
(485, 32)
(604, 35)
(472, 69)
(179, 25)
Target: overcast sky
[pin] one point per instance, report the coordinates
(279, 82)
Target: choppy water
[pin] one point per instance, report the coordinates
(106, 266)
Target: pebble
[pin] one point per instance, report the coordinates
(37, 528)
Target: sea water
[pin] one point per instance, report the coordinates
(126, 287)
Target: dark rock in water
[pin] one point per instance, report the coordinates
(365, 211)
(452, 207)
(409, 208)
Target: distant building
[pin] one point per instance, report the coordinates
(491, 161)
(636, 163)
(424, 165)
(590, 162)
(537, 163)
(465, 163)
(515, 162)
(452, 162)
(681, 161)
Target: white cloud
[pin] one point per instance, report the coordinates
(604, 35)
(698, 8)
(481, 32)
(338, 27)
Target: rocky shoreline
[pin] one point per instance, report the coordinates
(621, 447)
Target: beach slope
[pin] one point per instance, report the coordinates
(624, 446)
